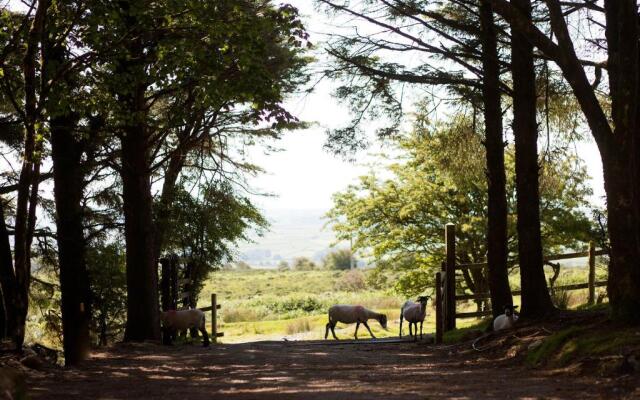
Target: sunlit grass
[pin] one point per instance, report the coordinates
(272, 305)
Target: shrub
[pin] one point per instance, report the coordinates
(283, 266)
(351, 281)
(339, 259)
(303, 264)
(295, 304)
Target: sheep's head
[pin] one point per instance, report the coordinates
(509, 309)
(423, 300)
(383, 321)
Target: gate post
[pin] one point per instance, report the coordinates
(439, 308)
(450, 277)
(592, 272)
(165, 295)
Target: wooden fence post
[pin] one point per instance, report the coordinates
(165, 295)
(214, 316)
(173, 277)
(438, 304)
(450, 277)
(592, 273)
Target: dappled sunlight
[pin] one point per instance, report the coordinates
(310, 370)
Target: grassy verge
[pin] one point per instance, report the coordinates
(578, 342)
(464, 330)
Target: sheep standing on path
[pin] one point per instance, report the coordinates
(352, 314)
(414, 313)
(186, 319)
(506, 320)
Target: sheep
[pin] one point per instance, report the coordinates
(506, 320)
(414, 313)
(350, 314)
(186, 319)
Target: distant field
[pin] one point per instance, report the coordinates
(266, 304)
(273, 305)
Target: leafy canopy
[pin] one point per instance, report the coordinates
(439, 178)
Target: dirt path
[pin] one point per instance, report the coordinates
(299, 370)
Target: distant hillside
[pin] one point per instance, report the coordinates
(293, 233)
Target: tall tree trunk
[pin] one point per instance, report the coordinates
(7, 278)
(621, 160)
(68, 175)
(497, 201)
(536, 301)
(3, 317)
(143, 318)
(28, 180)
(142, 272)
(619, 150)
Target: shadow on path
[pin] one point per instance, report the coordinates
(299, 370)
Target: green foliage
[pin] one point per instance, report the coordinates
(106, 265)
(439, 178)
(44, 303)
(303, 264)
(292, 305)
(339, 259)
(205, 227)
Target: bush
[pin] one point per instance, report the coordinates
(303, 264)
(283, 266)
(351, 281)
(295, 304)
(339, 259)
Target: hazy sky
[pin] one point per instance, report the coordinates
(304, 175)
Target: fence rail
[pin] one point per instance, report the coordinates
(554, 257)
(446, 297)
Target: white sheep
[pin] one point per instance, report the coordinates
(414, 312)
(352, 314)
(506, 320)
(186, 319)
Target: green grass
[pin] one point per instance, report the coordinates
(270, 305)
(464, 327)
(577, 342)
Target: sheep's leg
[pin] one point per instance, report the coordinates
(357, 326)
(205, 336)
(332, 325)
(410, 329)
(401, 318)
(369, 329)
(326, 331)
(415, 331)
(421, 329)
(193, 332)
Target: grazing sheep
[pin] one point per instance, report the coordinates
(414, 313)
(350, 314)
(186, 319)
(506, 320)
